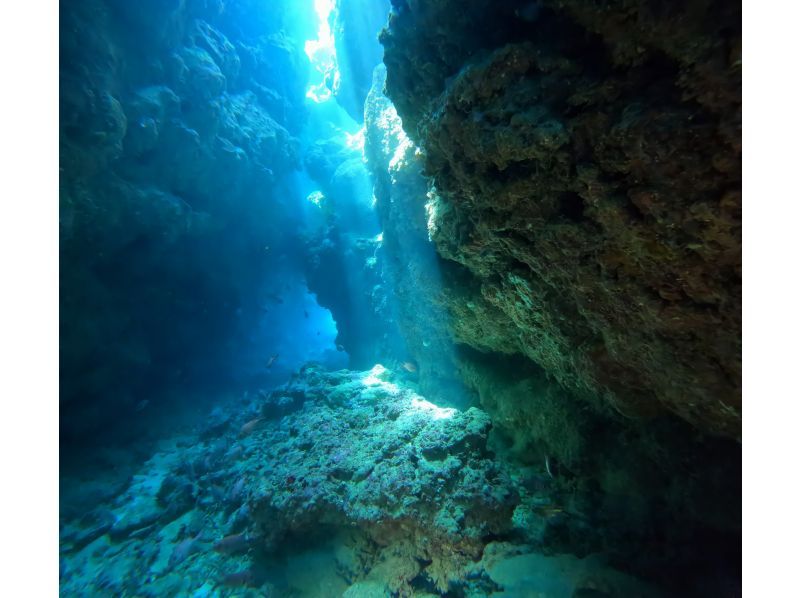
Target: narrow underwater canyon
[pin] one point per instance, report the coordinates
(408, 298)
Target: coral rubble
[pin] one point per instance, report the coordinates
(406, 494)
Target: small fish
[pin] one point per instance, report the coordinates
(249, 427)
(271, 360)
(305, 313)
(239, 579)
(548, 511)
(142, 404)
(409, 366)
(184, 550)
(233, 544)
(236, 491)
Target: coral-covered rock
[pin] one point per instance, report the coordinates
(343, 242)
(221, 50)
(174, 131)
(412, 268)
(585, 168)
(380, 489)
(368, 451)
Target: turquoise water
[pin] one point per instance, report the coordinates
(276, 377)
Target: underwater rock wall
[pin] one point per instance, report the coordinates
(520, 262)
(342, 253)
(342, 270)
(176, 139)
(411, 267)
(584, 164)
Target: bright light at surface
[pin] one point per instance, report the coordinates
(322, 54)
(431, 410)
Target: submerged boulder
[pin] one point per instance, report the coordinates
(367, 450)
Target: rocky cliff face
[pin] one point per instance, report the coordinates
(176, 136)
(584, 168)
(411, 268)
(633, 480)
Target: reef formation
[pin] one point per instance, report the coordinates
(549, 269)
(338, 483)
(175, 145)
(641, 478)
(584, 166)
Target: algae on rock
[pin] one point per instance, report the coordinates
(586, 165)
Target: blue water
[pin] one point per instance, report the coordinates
(261, 392)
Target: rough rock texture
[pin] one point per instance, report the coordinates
(368, 452)
(642, 486)
(175, 139)
(536, 418)
(337, 483)
(342, 271)
(584, 163)
(342, 253)
(411, 267)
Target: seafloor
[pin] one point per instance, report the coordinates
(338, 483)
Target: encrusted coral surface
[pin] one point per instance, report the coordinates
(585, 168)
(176, 130)
(355, 472)
(410, 265)
(628, 477)
(366, 451)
